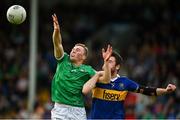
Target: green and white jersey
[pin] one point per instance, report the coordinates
(68, 82)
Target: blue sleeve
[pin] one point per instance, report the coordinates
(131, 85)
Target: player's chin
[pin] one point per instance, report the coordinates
(72, 58)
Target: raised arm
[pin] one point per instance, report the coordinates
(106, 76)
(57, 39)
(100, 76)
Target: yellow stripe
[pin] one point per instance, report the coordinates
(109, 95)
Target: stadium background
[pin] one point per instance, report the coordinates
(145, 32)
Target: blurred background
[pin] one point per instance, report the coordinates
(145, 32)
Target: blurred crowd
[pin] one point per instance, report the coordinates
(145, 33)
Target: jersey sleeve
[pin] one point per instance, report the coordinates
(63, 58)
(131, 85)
(91, 71)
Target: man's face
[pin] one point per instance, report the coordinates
(77, 54)
(112, 64)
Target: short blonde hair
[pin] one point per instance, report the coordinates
(85, 48)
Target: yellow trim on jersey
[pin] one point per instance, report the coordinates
(109, 95)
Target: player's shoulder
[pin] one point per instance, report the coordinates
(123, 78)
(126, 80)
(89, 69)
(64, 57)
(87, 66)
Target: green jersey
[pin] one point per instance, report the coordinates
(68, 82)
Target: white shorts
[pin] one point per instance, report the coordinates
(67, 112)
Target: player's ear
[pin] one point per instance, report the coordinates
(84, 57)
(118, 67)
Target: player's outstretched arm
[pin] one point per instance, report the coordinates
(57, 39)
(106, 77)
(151, 91)
(170, 88)
(91, 83)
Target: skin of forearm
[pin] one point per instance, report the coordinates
(161, 91)
(151, 91)
(90, 84)
(107, 73)
(57, 42)
(57, 39)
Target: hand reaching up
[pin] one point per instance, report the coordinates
(107, 54)
(55, 22)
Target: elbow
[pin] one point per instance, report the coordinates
(85, 91)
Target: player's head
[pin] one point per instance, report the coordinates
(79, 53)
(115, 62)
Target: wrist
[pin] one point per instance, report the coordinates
(98, 75)
(168, 91)
(105, 61)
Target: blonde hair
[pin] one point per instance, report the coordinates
(85, 48)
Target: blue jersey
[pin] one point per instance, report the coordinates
(108, 99)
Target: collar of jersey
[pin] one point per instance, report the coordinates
(113, 79)
(74, 66)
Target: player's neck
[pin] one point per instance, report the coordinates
(114, 75)
(77, 63)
